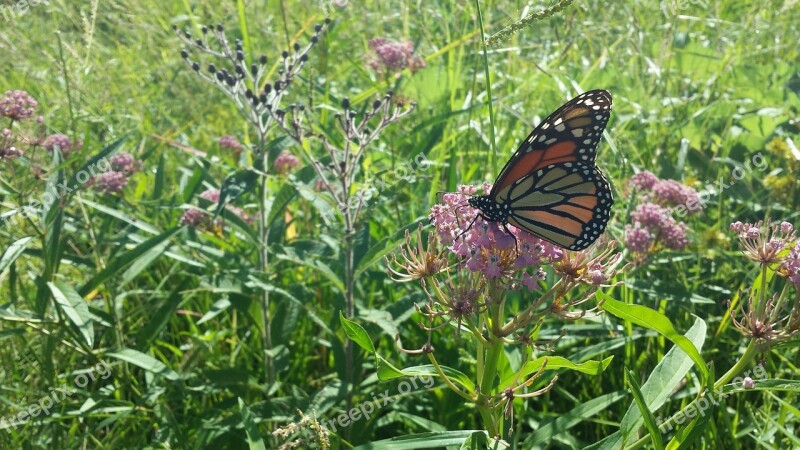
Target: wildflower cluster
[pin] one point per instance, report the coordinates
(230, 143)
(389, 56)
(653, 225)
(22, 132)
(114, 180)
(197, 218)
(469, 266)
(769, 319)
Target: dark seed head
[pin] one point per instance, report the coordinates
(248, 93)
(198, 42)
(254, 69)
(204, 29)
(327, 20)
(212, 68)
(318, 28)
(376, 104)
(195, 66)
(187, 35)
(263, 98)
(239, 69)
(304, 57)
(314, 39)
(174, 27)
(220, 76)
(184, 53)
(297, 46)
(240, 55)
(267, 88)
(220, 28)
(346, 103)
(285, 54)
(263, 59)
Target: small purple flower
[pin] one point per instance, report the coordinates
(737, 227)
(637, 239)
(62, 142)
(650, 215)
(644, 180)
(486, 247)
(194, 217)
(748, 383)
(786, 228)
(111, 182)
(286, 162)
(674, 193)
(791, 265)
(231, 143)
(125, 163)
(17, 105)
(391, 56)
(674, 235)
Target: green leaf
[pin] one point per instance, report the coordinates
(653, 320)
(423, 440)
(285, 195)
(476, 441)
(234, 185)
(649, 419)
(254, 439)
(356, 334)
(664, 378)
(565, 421)
(217, 308)
(126, 258)
(144, 261)
(388, 372)
(13, 251)
(75, 308)
(136, 222)
(144, 361)
(555, 363)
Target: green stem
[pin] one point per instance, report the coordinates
(740, 365)
(493, 154)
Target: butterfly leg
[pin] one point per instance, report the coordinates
(516, 242)
(469, 227)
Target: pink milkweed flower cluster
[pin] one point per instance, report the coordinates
(230, 143)
(391, 56)
(17, 105)
(770, 319)
(62, 142)
(196, 218)
(485, 247)
(286, 162)
(653, 226)
(122, 166)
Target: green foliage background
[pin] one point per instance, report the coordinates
(697, 93)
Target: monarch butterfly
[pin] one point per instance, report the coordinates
(551, 187)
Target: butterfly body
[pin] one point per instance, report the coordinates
(551, 187)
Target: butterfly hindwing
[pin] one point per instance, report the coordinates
(570, 134)
(567, 204)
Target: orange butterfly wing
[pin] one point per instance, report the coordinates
(570, 134)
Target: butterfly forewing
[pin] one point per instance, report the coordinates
(570, 134)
